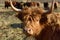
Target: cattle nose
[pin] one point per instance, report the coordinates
(28, 30)
(25, 31)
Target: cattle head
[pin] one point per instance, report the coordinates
(34, 19)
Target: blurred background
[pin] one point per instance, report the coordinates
(2, 1)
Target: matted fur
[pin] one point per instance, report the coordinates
(40, 24)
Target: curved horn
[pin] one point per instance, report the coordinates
(52, 6)
(14, 8)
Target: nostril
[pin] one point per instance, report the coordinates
(29, 30)
(29, 19)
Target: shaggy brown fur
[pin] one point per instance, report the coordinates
(30, 18)
(40, 24)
